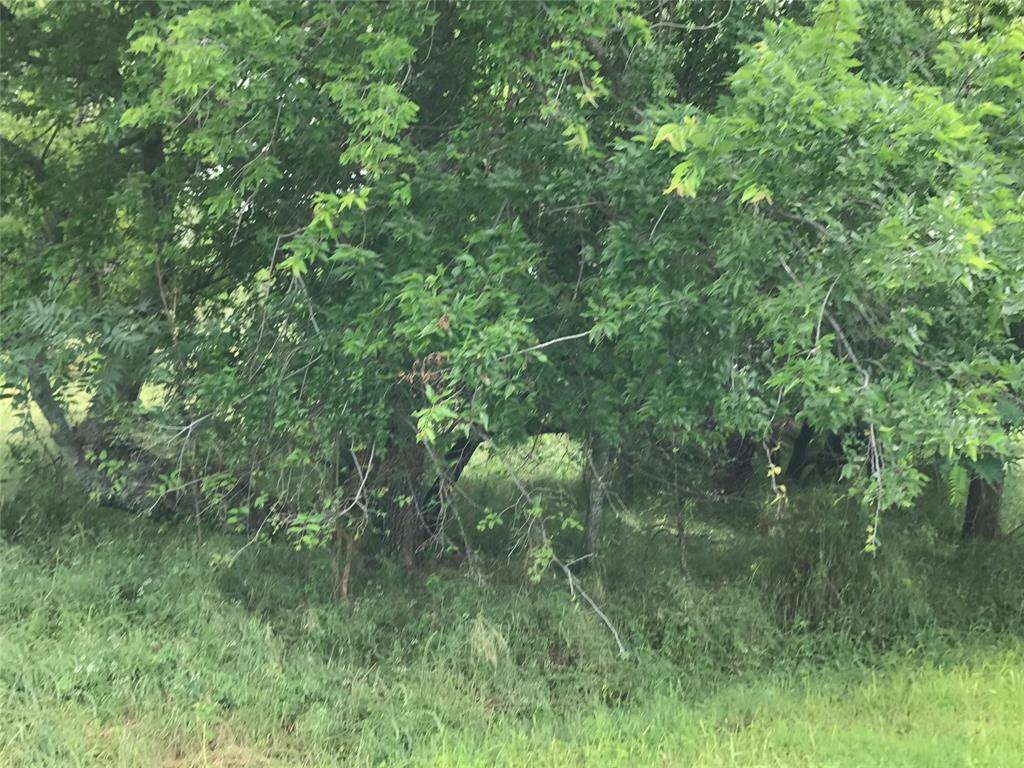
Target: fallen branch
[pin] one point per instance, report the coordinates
(574, 587)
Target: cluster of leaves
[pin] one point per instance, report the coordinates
(336, 242)
(867, 236)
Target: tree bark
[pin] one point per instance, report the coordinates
(411, 533)
(343, 559)
(982, 512)
(408, 529)
(597, 471)
(61, 433)
(404, 472)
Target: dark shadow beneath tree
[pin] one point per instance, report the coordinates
(982, 513)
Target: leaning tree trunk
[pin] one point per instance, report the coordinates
(63, 436)
(982, 513)
(132, 488)
(597, 471)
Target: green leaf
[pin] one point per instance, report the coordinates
(671, 133)
(755, 193)
(578, 137)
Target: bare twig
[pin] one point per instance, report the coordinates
(655, 227)
(834, 323)
(821, 315)
(875, 460)
(250, 542)
(188, 428)
(817, 226)
(695, 27)
(544, 344)
(574, 587)
(570, 577)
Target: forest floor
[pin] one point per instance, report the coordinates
(127, 642)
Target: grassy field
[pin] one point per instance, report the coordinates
(129, 642)
(903, 713)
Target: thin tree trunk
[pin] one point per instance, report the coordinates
(982, 512)
(684, 567)
(411, 533)
(596, 475)
(798, 458)
(681, 510)
(343, 560)
(63, 435)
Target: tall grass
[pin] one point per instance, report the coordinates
(122, 645)
(129, 642)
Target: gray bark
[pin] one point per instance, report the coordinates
(597, 472)
(61, 433)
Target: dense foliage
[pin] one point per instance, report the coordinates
(302, 258)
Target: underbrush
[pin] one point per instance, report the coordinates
(135, 642)
(130, 642)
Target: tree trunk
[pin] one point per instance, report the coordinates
(435, 499)
(982, 513)
(408, 530)
(63, 436)
(132, 487)
(798, 458)
(597, 471)
(411, 533)
(404, 473)
(343, 559)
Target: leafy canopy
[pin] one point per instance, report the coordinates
(338, 239)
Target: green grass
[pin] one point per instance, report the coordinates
(127, 642)
(120, 645)
(905, 714)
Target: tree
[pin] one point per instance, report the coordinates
(869, 238)
(340, 244)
